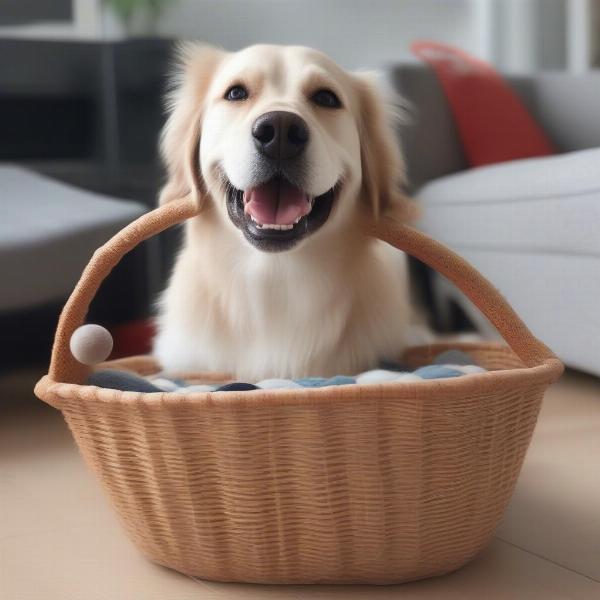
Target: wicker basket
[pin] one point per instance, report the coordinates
(353, 484)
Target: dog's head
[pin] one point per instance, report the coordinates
(283, 141)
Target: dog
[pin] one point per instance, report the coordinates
(288, 155)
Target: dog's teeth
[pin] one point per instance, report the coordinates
(276, 226)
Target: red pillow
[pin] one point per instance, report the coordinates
(492, 122)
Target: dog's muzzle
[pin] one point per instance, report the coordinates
(276, 212)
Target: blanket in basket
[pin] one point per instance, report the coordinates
(451, 363)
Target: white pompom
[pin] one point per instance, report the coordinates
(91, 344)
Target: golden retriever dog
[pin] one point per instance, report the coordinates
(288, 154)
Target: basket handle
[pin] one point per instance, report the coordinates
(63, 366)
(472, 283)
(65, 369)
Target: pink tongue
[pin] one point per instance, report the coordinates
(276, 203)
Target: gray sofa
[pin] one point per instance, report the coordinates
(531, 226)
(48, 232)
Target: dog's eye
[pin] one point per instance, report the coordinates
(236, 93)
(326, 98)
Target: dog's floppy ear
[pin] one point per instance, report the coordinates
(382, 162)
(180, 137)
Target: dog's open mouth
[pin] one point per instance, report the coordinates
(275, 215)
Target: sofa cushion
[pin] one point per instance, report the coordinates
(48, 232)
(428, 118)
(493, 124)
(546, 205)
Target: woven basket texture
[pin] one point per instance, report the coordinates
(376, 484)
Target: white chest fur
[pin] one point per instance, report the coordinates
(256, 315)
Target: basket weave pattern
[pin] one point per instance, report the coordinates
(366, 484)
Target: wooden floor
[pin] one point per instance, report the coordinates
(59, 540)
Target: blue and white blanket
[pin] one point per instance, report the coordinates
(452, 363)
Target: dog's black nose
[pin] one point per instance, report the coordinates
(280, 134)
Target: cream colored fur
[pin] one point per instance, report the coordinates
(337, 302)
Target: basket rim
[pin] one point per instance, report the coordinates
(56, 393)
